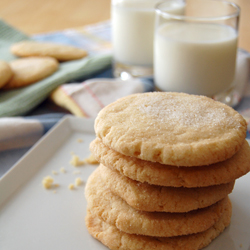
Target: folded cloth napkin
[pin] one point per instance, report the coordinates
(89, 97)
(20, 101)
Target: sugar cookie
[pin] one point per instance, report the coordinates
(59, 51)
(165, 175)
(117, 240)
(115, 211)
(30, 70)
(5, 73)
(143, 196)
(172, 128)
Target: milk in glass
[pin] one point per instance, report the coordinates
(133, 24)
(194, 58)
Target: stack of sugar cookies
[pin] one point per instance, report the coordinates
(167, 164)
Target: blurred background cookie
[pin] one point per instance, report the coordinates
(5, 73)
(58, 51)
(30, 70)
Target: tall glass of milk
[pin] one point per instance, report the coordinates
(196, 52)
(133, 23)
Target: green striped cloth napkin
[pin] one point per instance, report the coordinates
(20, 101)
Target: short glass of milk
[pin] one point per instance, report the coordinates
(133, 23)
(195, 52)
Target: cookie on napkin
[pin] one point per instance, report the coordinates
(30, 70)
(5, 73)
(59, 51)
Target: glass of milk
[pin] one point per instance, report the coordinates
(195, 52)
(133, 23)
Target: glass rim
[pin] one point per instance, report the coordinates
(165, 14)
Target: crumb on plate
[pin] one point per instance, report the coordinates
(71, 186)
(91, 160)
(78, 181)
(75, 161)
(47, 182)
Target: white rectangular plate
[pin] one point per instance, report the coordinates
(32, 217)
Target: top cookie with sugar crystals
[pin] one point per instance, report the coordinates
(171, 128)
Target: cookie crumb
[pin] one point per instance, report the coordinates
(78, 181)
(71, 186)
(80, 140)
(241, 245)
(54, 172)
(75, 161)
(62, 170)
(47, 182)
(91, 160)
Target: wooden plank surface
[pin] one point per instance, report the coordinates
(39, 16)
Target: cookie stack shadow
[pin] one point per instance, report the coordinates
(140, 201)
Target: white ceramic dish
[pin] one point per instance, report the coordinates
(34, 218)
